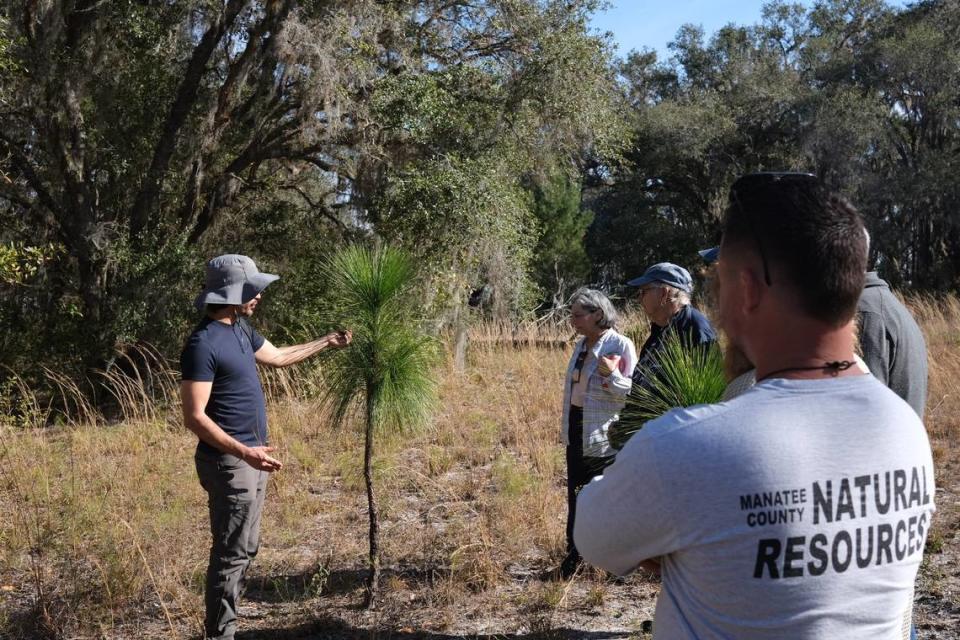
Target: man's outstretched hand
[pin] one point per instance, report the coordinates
(258, 458)
(339, 339)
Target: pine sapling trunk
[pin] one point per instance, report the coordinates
(373, 580)
(460, 339)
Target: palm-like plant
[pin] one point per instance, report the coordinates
(681, 376)
(385, 377)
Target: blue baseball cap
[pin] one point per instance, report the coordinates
(710, 255)
(667, 273)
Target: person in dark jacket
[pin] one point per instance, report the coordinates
(663, 292)
(892, 343)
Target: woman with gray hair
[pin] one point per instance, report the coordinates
(597, 383)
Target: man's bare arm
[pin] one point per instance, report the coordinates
(194, 396)
(273, 356)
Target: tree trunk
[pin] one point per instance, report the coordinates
(373, 580)
(95, 352)
(460, 337)
(187, 92)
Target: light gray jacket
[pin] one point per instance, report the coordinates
(605, 396)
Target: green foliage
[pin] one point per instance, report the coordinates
(386, 375)
(146, 139)
(477, 131)
(560, 262)
(19, 262)
(866, 97)
(717, 110)
(451, 108)
(391, 360)
(467, 222)
(681, 377)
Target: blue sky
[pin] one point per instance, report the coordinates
(653, 23)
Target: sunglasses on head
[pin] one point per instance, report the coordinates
(747, 186)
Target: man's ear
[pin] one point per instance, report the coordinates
(752, 289)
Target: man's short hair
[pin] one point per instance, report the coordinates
(808, 238)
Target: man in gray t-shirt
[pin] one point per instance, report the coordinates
(800, 508)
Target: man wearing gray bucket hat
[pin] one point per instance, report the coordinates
(224, 405)
(232, 279)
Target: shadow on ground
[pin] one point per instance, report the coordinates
(329, 628)
(319, 581)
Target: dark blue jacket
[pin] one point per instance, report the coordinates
(694, 330)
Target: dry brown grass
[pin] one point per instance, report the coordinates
(939, 582)
(105, 533)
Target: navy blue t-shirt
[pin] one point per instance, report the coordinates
(223, 353)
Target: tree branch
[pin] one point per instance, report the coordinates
(146, 200)
(277, 13)
(315, 206)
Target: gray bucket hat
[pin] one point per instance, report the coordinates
(232, 279)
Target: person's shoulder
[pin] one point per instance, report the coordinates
(615, 337)
(256, 339)
(888, 412)
(677, 434)
(682, 420)
(199, 354)
(700, 324)
(697, 316)
(246, 327)
(895, 312)
(201, 337)
(856, 396)
(872, 280)
(884, 400)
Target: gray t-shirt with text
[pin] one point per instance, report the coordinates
(796, 510)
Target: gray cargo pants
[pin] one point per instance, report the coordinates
(235, 493)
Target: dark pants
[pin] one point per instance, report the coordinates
(235, 493)
(580, 470)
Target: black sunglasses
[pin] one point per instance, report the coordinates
(752, 182)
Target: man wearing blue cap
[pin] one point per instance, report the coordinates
(664, 292)
(223, 404)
